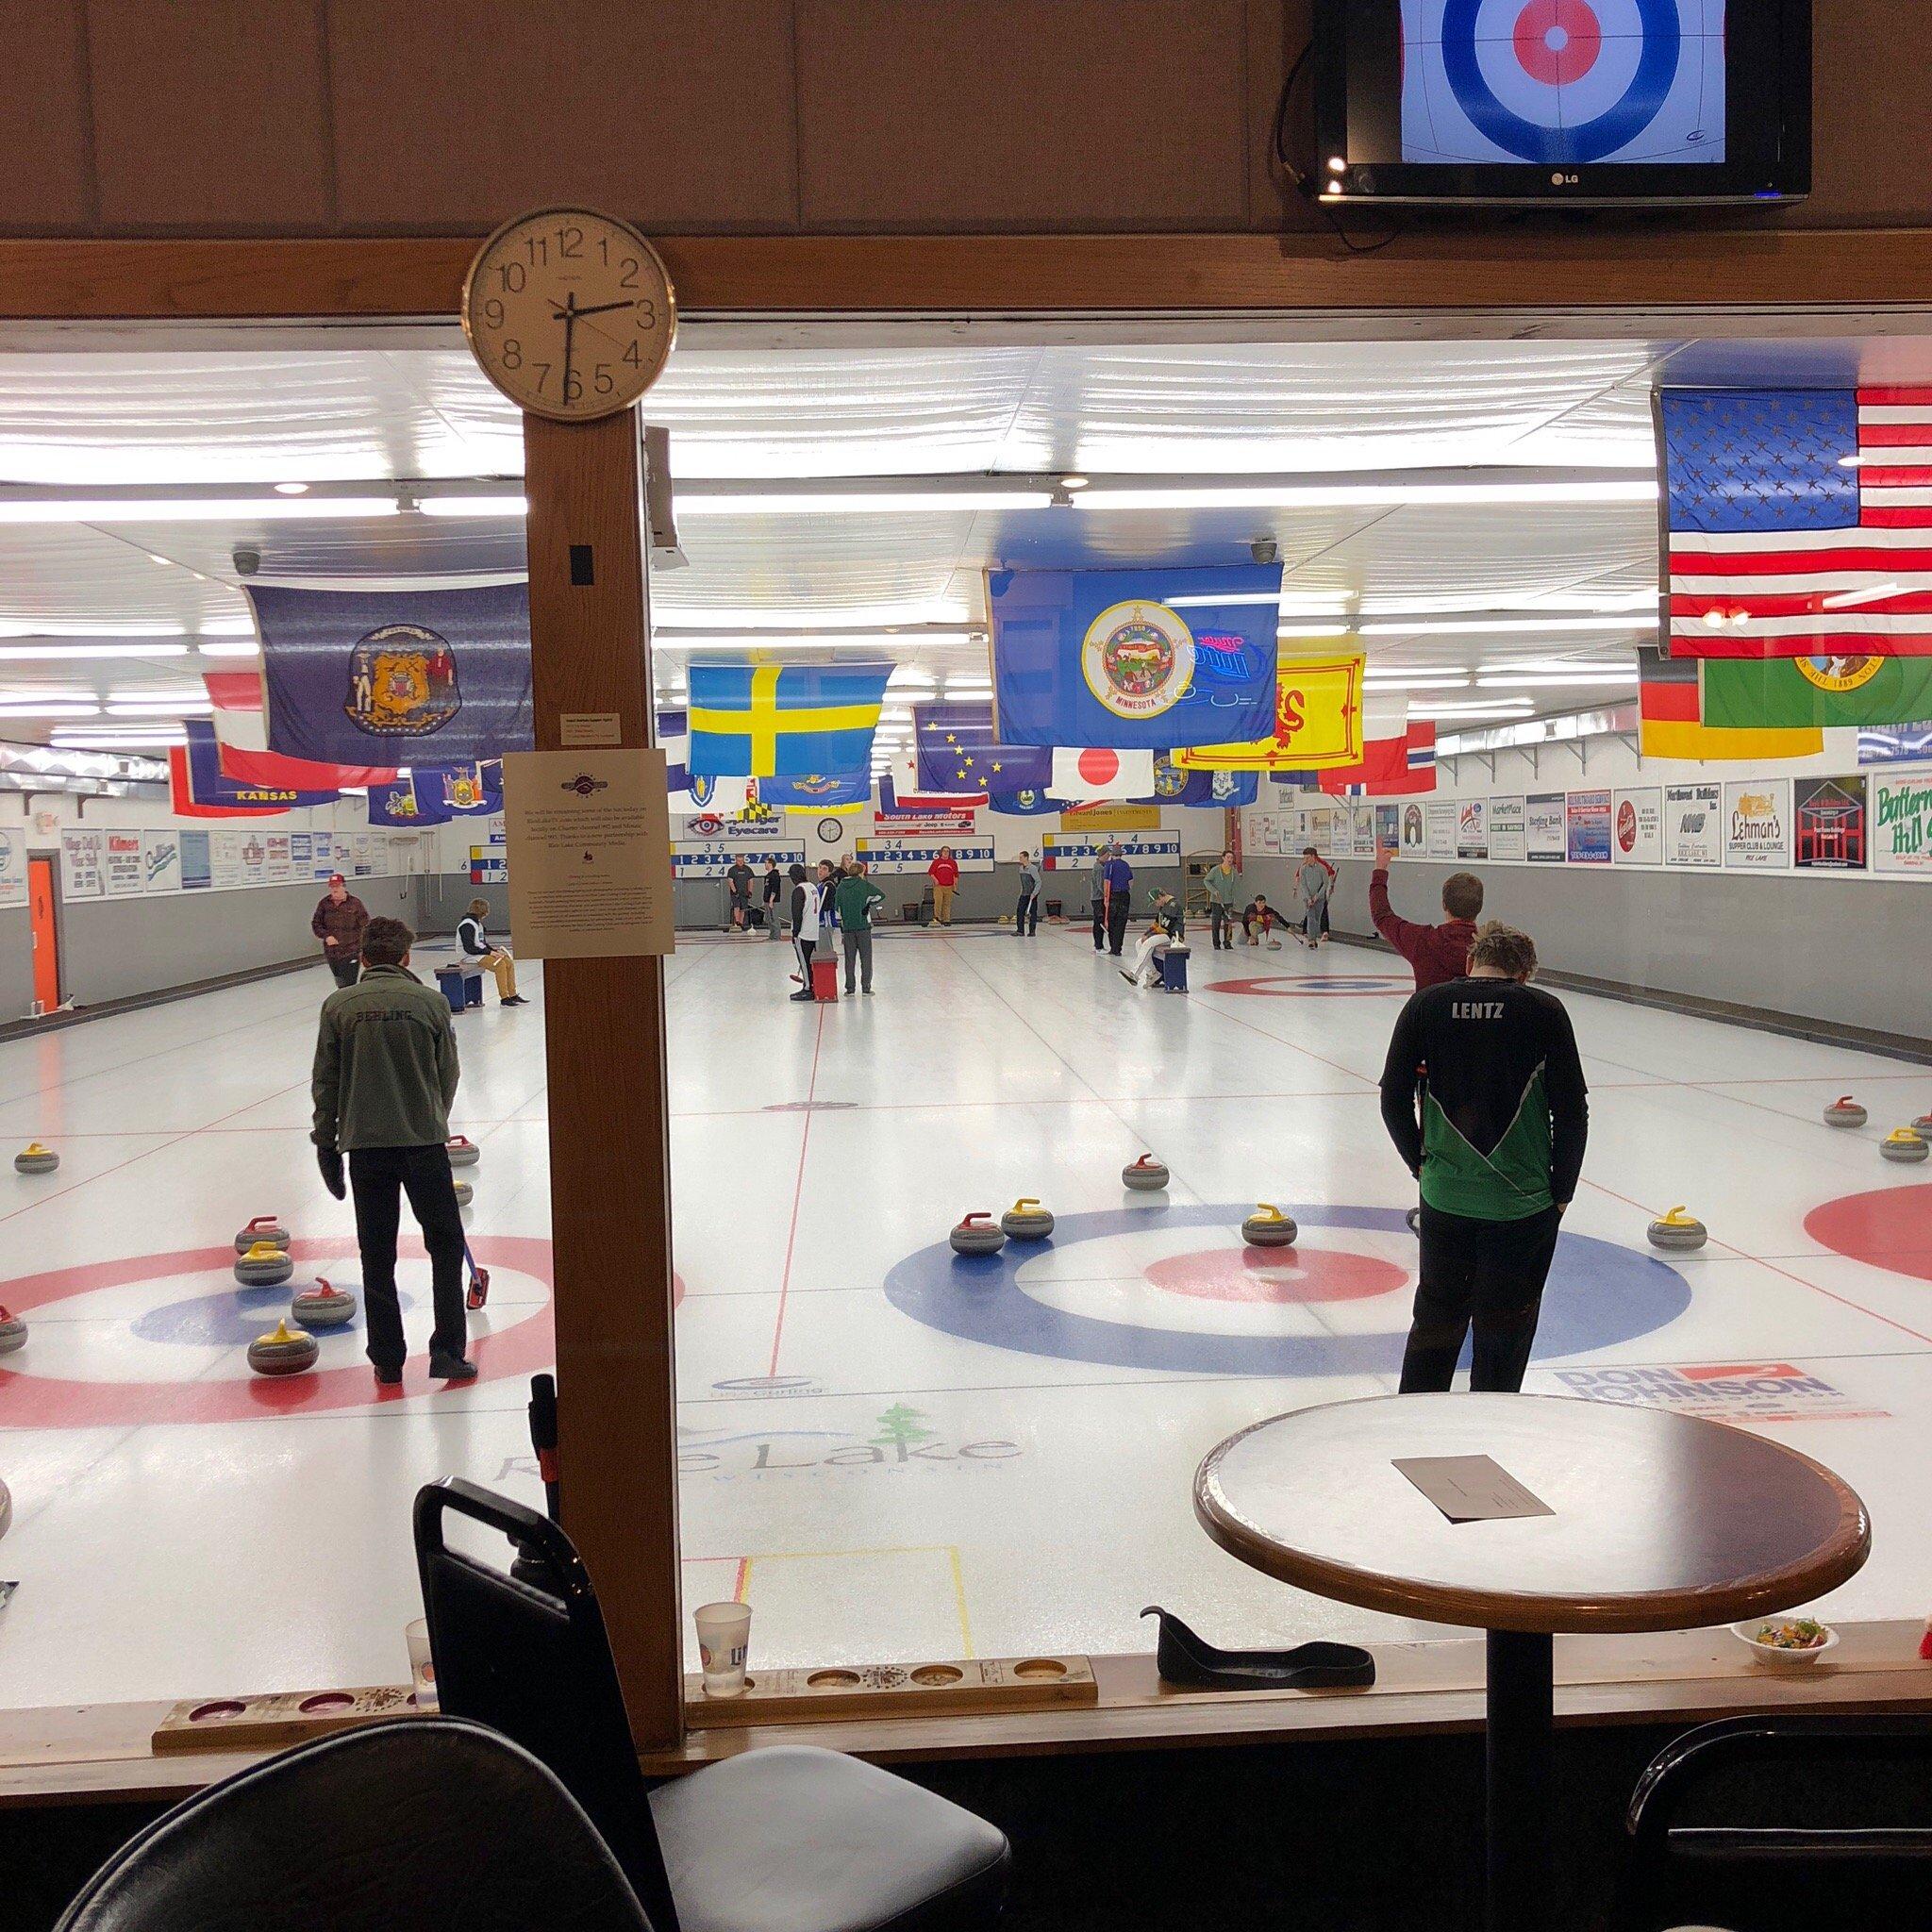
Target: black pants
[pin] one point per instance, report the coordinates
(347, 972)
(1221, 923)
(1026, 915)
(1099, 923)
(1489, 1273)
(379, 1177)
(1118, 910)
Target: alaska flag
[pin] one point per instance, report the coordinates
(816, 792)
(199, 788)
(958, 752)
(1134, 659)
(790, 720)
(399, 802)
(402, 677)
(1173, 786)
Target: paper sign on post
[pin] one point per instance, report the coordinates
(588, 837)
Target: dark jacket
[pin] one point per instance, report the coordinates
(1436, 953)
(385, 1064)
(344, 924)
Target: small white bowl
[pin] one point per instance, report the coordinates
(1746, 1634)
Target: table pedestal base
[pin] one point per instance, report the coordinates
(1520, 1740)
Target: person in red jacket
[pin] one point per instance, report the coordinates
(944, 873)
(1436, 954)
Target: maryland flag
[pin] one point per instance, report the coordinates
(1318, 721)
(1670, 720)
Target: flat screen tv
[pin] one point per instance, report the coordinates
(1594, 103)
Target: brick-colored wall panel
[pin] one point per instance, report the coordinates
(46, 184)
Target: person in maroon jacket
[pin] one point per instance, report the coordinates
(339, 921)
(1436, 954)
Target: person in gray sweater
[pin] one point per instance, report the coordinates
(1026, 914)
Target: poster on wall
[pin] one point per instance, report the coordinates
(1545, 827)
(1361, 830)
(12, 868)
(1589, 836)
(1828, 815)
(1472, 828)
(1887, 745)
(197, 868)
(254, 860)
(1693, 825)
(224, 858)
(1508, 838)
(321, 855)
(1902, 824)
(1388, 825)
(1757, 824)
(280, 867)
(302, 855)
(160, 862)
(121, 864)
(1415, 836)
(1639, 826)
(80, 864)
(1439, 820)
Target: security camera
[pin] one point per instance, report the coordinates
(247, 562)
(1264, 550)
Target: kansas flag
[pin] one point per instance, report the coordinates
(790, 721)
(1134, 659)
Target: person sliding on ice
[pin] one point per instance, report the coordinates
(339, 917)
(1026, 914)
(854, 898)
(1120, 901)
(1168, 929)
(1436, 953)
(775, 891)
(944, 873)
(805, 927)
(476, 946)
(385, 1073)
(1224, 885)
(1312, 880)
(1491, 1062)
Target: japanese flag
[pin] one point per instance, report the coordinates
(1080, 775)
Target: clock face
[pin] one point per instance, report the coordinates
(569, 313)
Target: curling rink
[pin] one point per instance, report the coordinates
(888, 1452)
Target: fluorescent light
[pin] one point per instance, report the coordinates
(189, 510)
(1501, 708)
(1554, 667)
(1340, 628)
(207, 649)
(1601, 601)
(1191, 603)
(477, 505)
(1874, 593)
(1557, 677)
(1363, 496)
(1415, 680)
(85, 737)
(816, 640)
(696, 502)
(1073, 482)
(49, 710)
(162, 708)
(47, 649)
(1486, 626)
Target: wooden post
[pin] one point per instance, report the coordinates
(609, 1124)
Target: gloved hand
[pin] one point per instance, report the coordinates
(330, 1162)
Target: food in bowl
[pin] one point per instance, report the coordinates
(1794, 1632)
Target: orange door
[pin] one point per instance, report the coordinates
(40, 906)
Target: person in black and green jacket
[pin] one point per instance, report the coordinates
(1484, 1096)
(854, 897)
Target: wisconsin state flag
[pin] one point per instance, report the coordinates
(1670, 720)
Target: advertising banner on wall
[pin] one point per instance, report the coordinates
(1509, 832)
(1640, 827)
(1472, 828)
(80, 864)
(1388, 825)
(1547, 827)
(1902, 824)
(160, 862)
(198, 862)
(121, 864)
(1415, 832)
(1440, 822)
(281, 859)
(1757, 824)
(224, 858)
(1828, 815)
(1695, 824)
(1361, 830)
(1588, 829)
(12, 868)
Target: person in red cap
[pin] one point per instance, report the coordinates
(339, 921)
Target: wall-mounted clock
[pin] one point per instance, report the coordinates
(569, 313)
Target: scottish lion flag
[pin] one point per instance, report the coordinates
(783, 721)
(402, 677)
(960, 752)
(816, 792)
(1134, 659)
(398, 803)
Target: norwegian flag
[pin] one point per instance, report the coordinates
(1798, 521)
(1401, 766)
(241, 742)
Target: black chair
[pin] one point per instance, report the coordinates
(1774, 1821)
(419, 1825)
(779, 1839)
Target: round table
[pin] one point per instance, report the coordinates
(1658, 1521)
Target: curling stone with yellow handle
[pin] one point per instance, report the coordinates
(1905, 1145)
(34, 1158)
(263, 1265)
(285, 1352)
(1269, 1227)
(1026, 1220)
(1677, 1231)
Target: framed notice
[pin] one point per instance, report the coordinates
(1829, 825)
(1388, 825)
(1587, 828)
(81, 855)
(198, 862)
(1472, 828)
(1757, 824)
(1415, 833)
(1547, 827)
(279, 869)
(1902, 824)
(160, 862)
(589, 847)
(120, 863)
(1361, 830)
(1695, 825)
(1508, 835)
(1638, 827)
(1440, 821)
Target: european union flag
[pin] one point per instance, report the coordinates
(959, 750)
(398, 803)
(843, 792)
(1135, 660)
(790, 721)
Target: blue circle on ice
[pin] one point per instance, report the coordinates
(233, 1318)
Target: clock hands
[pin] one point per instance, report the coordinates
(603, 307)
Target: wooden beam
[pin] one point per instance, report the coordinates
(610, 1121)
(1433, 270)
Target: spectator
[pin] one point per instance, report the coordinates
(944, 873)
(1257, 923)
(1312, 880)
(1097, 877)
(1026, 914)
(738, 883)
(1498, 1146)
(805, 927)
(775, 891)
(339, 923)
(854, 898)
(1168, 928)
(828, 883)
(1435, 953)
(477, 946)
(1120, 901)
(385, 1073)
(1224, 885)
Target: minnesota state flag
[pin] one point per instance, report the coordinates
(788, 721)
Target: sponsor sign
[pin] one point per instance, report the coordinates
(1587, 825)
(224, 858)
(281, 859)
(1388, 825)
(160, 862)
(12, 868)
(1757, 824)
(959, 823)
(1415, 831)
(1107, 817)
(1438, 838)
(1638, 827)
(1830, 821)
(198, 869)
(1902, 824)
(1695, 825)
(1472, 828)
(1508, 831)
(121, 864)
(81, 855)
(1547, 827)
(1755, 1391)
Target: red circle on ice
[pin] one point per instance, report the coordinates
(1558, 41)
(1889, 1227)
(1277, 1274)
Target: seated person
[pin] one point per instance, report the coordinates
(1258, 921)
(1167, 929)
(480, 949)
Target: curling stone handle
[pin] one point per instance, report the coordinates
(1024, 1202)
(259, 1220)
(972, 1218)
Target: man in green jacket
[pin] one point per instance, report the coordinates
(385, 1074)
(855, 897)
(1224, 884)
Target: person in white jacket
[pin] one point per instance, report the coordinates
(805, 927)
(480, 949)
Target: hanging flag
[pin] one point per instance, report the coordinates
(1398, 757)
(1798, 523)
(960, 752)
(673, 738)
(1025, 802)
(816, 793)
(1084, 773)
(1135, 660)
(772, 721)
(1318, 721)
(900, 790)
(1173, 786)
(198, 789)
(241, 742)
(1797, 692)
(462, 791)
(398, 803)
(420, 676)
(1671, 725)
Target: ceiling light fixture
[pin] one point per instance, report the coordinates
(291, 490)
(9, 709)
(1366, 496)
(1492, 627)
(189, 510)
(207, 648)
(48, 650)
(1626, 679)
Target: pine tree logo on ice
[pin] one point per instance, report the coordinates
(1138, 659)
(901, 1437)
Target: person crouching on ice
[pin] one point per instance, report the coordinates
(1168, 929)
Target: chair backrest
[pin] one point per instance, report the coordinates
(533, 1661)
(416, 1825)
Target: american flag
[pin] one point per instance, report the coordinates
(1798, 521)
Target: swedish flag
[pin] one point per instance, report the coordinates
(790, 720)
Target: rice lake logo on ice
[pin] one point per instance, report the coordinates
(900, 1437)
(1751, 1392)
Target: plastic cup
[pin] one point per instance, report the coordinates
(724, 1643)
(422, 1668)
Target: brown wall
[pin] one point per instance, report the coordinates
(318, 117)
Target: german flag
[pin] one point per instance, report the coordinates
(1670, 721)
